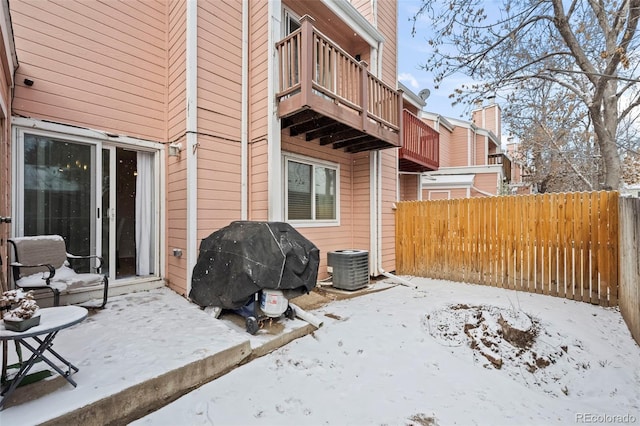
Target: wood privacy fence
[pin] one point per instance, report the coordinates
(563, 245)
(629, 292)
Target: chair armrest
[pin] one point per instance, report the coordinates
(52, 270)
(99, 258)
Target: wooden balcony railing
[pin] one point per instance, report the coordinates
(420, 150)
(323, 87)
(500, 158)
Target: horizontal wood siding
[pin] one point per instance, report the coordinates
(176, 209)
(481, 150)
(409, 187)
(6, 69)
(389, 198)
(388, 25)
(487, 182)
(445, 147)
(364, 7)
(361, 202)
(458, 148)
(328, 238)
(219, 113)
(258, 117)
(97, 65)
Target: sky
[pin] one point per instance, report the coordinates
(422, 354)
(413, 52)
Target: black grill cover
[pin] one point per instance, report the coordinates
(245, 257)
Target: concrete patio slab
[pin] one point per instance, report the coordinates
(146, 349)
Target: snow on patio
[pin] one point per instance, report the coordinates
(443, 353)
(137, 337)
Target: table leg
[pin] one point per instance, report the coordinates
(45, 345)
(38, 353)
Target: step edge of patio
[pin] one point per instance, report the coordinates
(150, 395)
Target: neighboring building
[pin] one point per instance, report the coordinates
(518, 184)
(420, 151)
(472, 162)
(141, 127)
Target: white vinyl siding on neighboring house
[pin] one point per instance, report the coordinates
(311, 191)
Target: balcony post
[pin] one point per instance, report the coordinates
(400, 119)
(306, 56)
(364, 93)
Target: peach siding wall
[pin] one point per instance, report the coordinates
(361, 216)
(361, 211)
(445, 147)
(328, 238)
(482, 142)
(443, 194)
(219, 113)
(388, 24)
(176, 222)
(489, 117)
(5, 186)
(258, 102)
(458, 148)
(445, 143)
(487, 182)
(364, 7)
(435, 194)
(492, 120)
(389, 197)
(5, 149)
(409, 187)
(95, 64)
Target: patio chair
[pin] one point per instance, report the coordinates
(43, 263)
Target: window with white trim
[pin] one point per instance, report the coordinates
(291, 22)
(311, 193)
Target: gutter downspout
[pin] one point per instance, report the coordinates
(274, 145)
(244, 125)
(192, 136)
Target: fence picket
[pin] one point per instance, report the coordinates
(559, 244)
(610, 296)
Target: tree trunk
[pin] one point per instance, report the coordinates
(604, 115)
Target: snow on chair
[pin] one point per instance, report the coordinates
(42, 263)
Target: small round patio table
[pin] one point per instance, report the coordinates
(52, 320)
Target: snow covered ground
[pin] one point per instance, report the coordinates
(440, 354)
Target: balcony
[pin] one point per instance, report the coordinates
(501, 158)
(329, 97)
(420, 150)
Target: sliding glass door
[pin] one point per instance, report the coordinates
(100, 198)
(58, 191)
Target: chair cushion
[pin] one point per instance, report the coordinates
(42, 249)
(64, 279)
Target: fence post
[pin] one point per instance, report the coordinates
(629, 261)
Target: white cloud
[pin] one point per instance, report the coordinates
(409, 79)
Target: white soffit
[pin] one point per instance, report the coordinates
(355, 20)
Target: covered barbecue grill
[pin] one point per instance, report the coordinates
(245, 257)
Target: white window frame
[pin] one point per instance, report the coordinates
(288, 15)
(314, 162)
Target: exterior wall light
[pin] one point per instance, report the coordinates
(174, 149)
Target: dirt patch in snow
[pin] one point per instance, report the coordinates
(511, 341)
